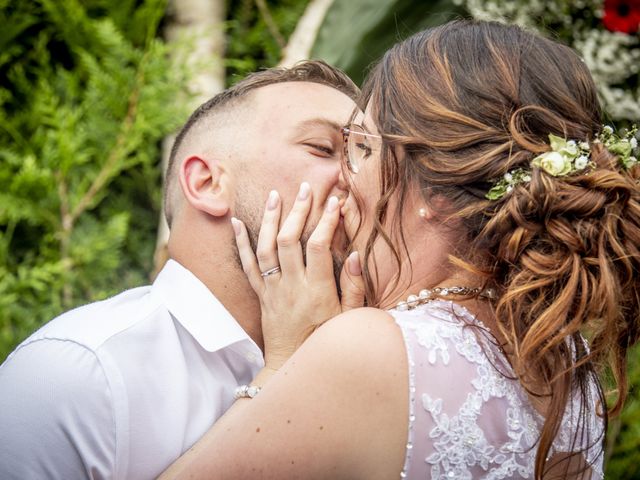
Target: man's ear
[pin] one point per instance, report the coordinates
(205, 185)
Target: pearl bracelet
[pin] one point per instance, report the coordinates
(246, 391)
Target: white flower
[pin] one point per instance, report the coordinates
(634, 143)
(554, 163)
(526, 178)
(607, 129)
(570, 149)
(584, 145)
(581, 162)
(508, 177)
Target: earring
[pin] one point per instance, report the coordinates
(422, 212)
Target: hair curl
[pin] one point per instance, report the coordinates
(470, 101)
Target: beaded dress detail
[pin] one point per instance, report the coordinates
(468, 417)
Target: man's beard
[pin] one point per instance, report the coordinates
(251, 215)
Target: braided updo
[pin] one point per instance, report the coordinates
(470, 101)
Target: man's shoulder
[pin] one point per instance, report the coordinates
(62, 408)
(94, 324)
(70, 378)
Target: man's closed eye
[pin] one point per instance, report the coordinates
(321, 150)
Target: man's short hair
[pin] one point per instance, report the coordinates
(315, 71)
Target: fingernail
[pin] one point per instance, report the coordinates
(272, 201)
(354, 264)
(332, 204)
(236, 225)
(303, 193)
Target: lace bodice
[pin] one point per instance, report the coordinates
(467, 420)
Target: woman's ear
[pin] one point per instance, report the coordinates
(205, 185)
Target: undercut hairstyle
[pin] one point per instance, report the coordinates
(314, 71)
(469, 102)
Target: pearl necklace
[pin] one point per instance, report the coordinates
(427, 295)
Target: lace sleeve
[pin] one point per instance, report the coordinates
(467, 418)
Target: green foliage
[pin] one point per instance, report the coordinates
(623, 442)
(251, 43)
(355, 34)
(86, 94)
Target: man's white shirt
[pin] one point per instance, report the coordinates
(120, 388)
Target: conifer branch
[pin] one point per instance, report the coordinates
(107, 169)
(68, 216)
(16, 136)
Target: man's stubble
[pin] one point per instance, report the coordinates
(250, 210)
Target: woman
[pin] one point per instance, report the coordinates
(492, 209)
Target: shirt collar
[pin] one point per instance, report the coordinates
(193, 305)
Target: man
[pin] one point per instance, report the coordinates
(120, 388)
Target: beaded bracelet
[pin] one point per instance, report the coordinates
(246, 391)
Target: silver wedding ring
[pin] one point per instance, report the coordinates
(271, 271)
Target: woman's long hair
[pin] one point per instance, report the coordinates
(468, 102)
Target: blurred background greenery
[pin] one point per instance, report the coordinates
(89, 90)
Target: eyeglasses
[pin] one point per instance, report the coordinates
(358, 145)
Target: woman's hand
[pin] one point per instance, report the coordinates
(296, 298)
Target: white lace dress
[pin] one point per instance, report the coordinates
(467, 420)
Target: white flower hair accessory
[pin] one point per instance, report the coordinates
(567, 157)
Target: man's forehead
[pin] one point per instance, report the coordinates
(320, 122)
(303, 103)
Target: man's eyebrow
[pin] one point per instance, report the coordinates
(319, 122)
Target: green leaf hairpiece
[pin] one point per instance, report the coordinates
(567, 157)
(624, 146)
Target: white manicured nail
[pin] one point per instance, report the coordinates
(304, 191)
(236, 225)
(272, 202)
(332, 204)
(355, 268)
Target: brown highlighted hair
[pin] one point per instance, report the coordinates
(469, 101)
(314, 71)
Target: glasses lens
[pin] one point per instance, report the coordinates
(359, 147)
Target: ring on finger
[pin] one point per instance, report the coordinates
(271, 271)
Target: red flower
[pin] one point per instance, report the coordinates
(622, 16)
